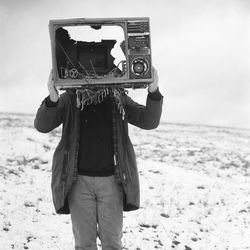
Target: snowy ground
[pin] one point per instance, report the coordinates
(194, 189)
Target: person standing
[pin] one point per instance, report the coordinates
(94, 171)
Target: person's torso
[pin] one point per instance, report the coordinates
(95, 156)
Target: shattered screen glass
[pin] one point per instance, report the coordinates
(84, 51)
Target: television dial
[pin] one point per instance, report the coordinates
(139, 66)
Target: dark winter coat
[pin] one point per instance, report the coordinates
(64, 164)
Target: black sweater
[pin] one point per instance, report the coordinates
(95, 156)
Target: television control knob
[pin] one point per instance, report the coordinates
(139, 66)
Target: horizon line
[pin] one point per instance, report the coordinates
(161, 122)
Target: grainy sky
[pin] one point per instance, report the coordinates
(200, 48)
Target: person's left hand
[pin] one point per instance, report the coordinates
(154, 85)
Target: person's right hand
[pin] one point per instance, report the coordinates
(53, 92)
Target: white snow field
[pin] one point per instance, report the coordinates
(195, 189)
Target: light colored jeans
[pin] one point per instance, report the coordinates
(96, 208)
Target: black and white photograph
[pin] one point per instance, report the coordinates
(125, 125)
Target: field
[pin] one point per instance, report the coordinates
(194, 189)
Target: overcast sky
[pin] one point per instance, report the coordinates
(200, 48)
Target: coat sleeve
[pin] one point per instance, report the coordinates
(145, 117)
(47, 118)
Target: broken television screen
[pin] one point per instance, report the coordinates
(89, 52)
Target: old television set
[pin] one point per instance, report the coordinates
(101, 51)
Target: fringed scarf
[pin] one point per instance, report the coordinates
(86, 97)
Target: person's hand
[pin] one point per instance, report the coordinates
(154, 85)
(53, 92)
